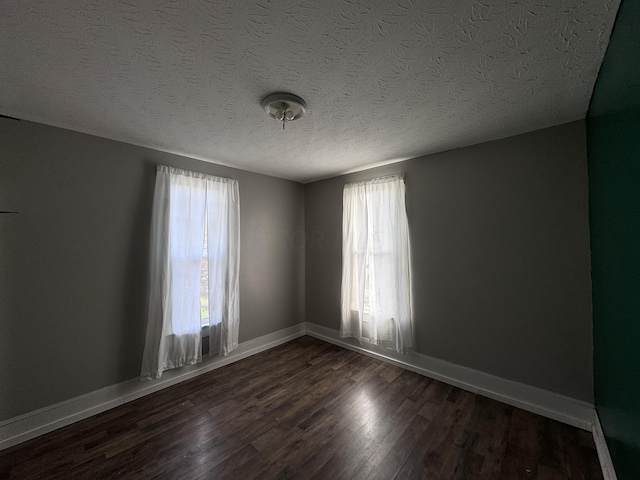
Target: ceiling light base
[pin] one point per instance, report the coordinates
(284, 107)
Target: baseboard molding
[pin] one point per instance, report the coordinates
(608, 472)
(552, 405)
(33, 424)
(543, 402)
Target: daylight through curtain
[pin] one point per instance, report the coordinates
(376, 277)
(195, 219)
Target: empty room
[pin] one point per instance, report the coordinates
(344, 239)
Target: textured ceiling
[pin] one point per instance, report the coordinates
(383, 80)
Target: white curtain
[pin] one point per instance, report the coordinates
(376, 274)
(189, 207)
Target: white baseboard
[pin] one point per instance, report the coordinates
(543, 402)
(558, 407)
(33, 424)
(608, 472)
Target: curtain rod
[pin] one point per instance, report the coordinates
(378, 179)
(191, 173)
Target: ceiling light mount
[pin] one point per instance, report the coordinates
(284, 107)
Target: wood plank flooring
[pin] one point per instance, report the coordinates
(309, 410)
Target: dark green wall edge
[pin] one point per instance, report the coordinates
(613, 136)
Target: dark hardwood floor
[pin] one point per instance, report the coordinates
(309, 409)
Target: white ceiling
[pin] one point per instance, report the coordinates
(384, 80)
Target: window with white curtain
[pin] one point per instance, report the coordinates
(195, 248)
(376, 272)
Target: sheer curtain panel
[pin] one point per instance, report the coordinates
(376, 274)
(195, 253)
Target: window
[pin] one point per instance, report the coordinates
(204, 282)
(194, 269)
(189, 254)
(376, 277)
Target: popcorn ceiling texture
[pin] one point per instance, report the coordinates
(383, 80)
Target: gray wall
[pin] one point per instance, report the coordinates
(73, 261)
(500, 256)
